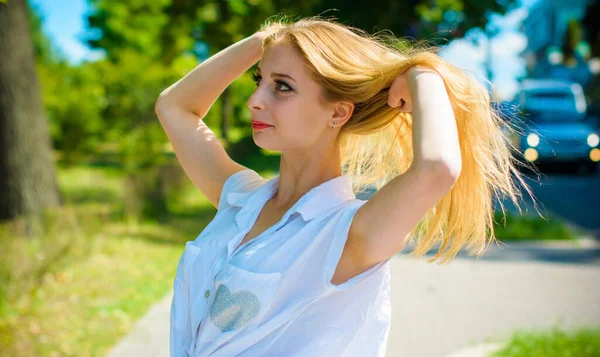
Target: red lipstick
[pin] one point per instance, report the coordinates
(259, 125)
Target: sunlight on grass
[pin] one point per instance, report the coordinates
(556, 342)
(525, 228)
(79, 288)
(84, 308)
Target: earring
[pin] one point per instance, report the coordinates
(334, 123)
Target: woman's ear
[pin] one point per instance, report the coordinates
(343, 111)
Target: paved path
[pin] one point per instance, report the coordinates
(438, 310)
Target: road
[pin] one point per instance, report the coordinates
(575, 198)
(437, 310)
(560, 193)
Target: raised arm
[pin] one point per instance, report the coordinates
(382, 225)
(181, 107)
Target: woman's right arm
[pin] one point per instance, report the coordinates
(181, 107)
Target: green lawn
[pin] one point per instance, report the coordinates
(80, 287)
(526, 228)
(555, 342)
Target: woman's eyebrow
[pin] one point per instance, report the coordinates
(279, 75)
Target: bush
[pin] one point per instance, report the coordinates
(516, 228)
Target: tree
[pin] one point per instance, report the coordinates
(591, 26)
(27, 172)
(435, 20)
(573, 36)
(166, 30)
(44, 49)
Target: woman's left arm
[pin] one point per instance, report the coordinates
(435, 136)
(382, 225)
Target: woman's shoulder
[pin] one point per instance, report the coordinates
(238, 186)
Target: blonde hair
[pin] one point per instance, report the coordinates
(376, 143)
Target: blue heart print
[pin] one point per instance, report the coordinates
(233, 311)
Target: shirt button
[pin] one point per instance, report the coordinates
(207, 294)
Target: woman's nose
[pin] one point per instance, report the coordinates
(255, 102)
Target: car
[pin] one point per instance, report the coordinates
(553, 125)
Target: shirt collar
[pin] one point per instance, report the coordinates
(316, 201)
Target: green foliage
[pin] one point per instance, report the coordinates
(434, 20)
(524, 228)
(149, 45)
(221, 23)
(74, 98)
(131, 25)
(573, 37)
(106, 101)
(591, 26)
(458, 16)
(133, 85)
(583, 342)
(44, 50)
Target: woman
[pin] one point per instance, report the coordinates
(296, 265)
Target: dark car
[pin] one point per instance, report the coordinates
(555, 126)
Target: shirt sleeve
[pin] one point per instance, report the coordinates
(340, 236)
(242, 181)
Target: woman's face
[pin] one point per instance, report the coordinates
(289, 99)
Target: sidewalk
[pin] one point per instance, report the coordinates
(438, 311)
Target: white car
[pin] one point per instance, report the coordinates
(555, 126)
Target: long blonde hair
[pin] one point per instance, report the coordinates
(376, 143)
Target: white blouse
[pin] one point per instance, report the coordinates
(273, 296)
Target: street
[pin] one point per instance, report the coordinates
(565, 194)
(560, 193)
(437, 310)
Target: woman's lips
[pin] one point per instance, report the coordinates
(259, 126)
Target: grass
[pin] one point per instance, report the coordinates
(79, 285)
(526, 228)
(555, 342)
(82, 308)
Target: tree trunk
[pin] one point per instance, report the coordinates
(27, 172)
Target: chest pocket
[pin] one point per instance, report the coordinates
(241, 300)
(196, 269)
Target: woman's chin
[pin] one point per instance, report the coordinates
(264, 144)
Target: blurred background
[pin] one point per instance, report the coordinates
(95, 210)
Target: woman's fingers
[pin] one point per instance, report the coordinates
(399, 95)
(395, 93)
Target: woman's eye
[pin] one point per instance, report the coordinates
(279, 84)
(256, 78)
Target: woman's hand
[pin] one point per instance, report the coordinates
(260, 34)
(399, 93)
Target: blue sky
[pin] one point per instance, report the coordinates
(471, 52)
(64, 23)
